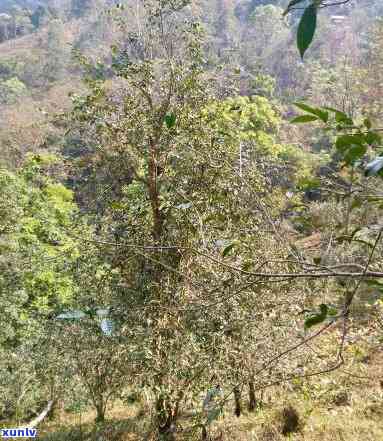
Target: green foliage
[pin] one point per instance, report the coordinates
(353, 141)
(267, 21)
(57, 54)
(35, 216)
(12, 90)
(170, 120)
(228, 248)
(263, 85)
(304, 119)
(316, 319)
(7, 69)
(321, 114)
(40, 16)
(245, 119)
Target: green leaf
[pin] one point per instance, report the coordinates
(375, 283)
(304, 119)
(247, 265)
(340, 117)
(343, 238)
(314, 320)
(317, 318)
(321, 114)
(227, 250)
(374, 167)
(356, 230)
(170, 120)
(332, 311)
(367, 123)
(117, 205)
(343, 118)
(306, 29)
(355, 153)
(373, 138)
(345, 142)
(356, 203)
(309, 183)
(331, 109)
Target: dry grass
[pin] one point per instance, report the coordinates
(340, 407)
(22, 46)
(345, 406)
(124, 423)
(348, 423)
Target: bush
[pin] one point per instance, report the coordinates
(11, 90)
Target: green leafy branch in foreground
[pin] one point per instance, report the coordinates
(308, 22)
(358, 148)
(355, 142)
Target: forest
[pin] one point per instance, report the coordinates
(191, 204)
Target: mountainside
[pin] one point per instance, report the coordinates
(7, 5)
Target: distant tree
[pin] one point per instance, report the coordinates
(40, 16)
(371, 75)
(35, 213)
(5, 22)
(81, 7)
(57, 54)
(11, 90)
(21, 22)
(268, 25)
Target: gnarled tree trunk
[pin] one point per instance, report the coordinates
(237, 400)
(100, 415)
(204, 436)
(166, 420)
(252, 398)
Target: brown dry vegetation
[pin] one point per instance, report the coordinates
(344, 406)
(27, 126)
